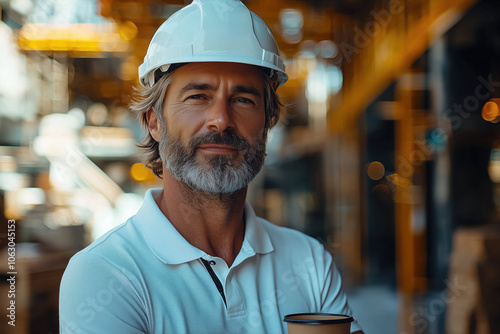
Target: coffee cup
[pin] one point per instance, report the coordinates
(318, 323)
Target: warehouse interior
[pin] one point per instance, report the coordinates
(388, 151)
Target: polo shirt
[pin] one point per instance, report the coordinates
(144, 277)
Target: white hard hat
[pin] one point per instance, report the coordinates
(212, 31)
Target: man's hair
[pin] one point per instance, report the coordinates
(154, 98)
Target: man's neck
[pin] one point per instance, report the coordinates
(213, 223)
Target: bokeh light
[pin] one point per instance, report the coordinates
(375, 170)
(491, 111)
(141, 173)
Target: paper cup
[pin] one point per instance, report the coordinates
(318, 323)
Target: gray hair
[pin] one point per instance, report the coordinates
(153, 98)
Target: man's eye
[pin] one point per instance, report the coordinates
(244, 100)
(195, 97)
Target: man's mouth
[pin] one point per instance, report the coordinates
(218, 149)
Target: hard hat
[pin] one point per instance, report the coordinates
(212, 31)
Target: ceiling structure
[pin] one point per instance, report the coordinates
(375, 42)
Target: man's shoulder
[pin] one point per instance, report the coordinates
(113, 243)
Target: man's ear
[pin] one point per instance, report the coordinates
(153, 125)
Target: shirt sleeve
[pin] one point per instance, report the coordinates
(96, 297)
(334, 299)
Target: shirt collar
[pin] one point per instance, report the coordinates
(171, 247)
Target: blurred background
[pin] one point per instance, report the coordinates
(389, 153)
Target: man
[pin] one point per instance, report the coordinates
(195, 258)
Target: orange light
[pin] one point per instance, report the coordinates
(491, 111)
(127, 30)
(140, 173)
(375, 170)
(381, 189)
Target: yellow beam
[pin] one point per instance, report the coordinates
(77, 38)
(409, 199)
(360, 92)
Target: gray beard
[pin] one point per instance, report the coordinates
(220, 176)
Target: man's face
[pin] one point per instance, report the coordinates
(214, 138)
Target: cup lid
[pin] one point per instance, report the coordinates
(318, 318)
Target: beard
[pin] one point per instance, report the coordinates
(219, 174)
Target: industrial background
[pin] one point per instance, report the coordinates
(389, 151)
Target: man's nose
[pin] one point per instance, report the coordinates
(220, 117)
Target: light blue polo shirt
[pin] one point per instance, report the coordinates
(144, 277)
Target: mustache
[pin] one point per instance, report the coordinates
(226, 138)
